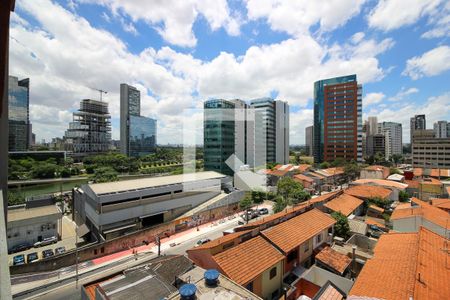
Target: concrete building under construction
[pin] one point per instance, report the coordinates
(90, 130)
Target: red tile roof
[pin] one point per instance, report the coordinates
(425, 210)
(302, 177)
(330, 293)
(246, 261)
(412, 184)
(368, 191)
(303, 167)
(441, 203)
(378, 209)
(334, 259)
(370, 221)
(294, 232)
(381, 182)
(376, 168)
(346, 204)
(406, 266)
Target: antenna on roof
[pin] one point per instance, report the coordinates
(100, 91)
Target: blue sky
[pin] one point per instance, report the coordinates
(179, 53)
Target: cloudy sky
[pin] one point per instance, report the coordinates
(181, 52)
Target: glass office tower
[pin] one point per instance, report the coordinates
(218, 135)
(137, 133)
(338, 119)
(18, 114)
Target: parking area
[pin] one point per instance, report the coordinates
(67, 240)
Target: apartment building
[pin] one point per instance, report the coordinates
(392, 133)
(429, 151)
(338, 119)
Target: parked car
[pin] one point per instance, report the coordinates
(19, 260)
(46, 241)
(60, 250)
(240, 222)
(263, 211)
(203, 241)
(19, 248)
(33, 256)
(47, 253)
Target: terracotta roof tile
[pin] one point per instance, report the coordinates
(294, 232)
(420, 272)
(441, 203)
(381, 182)
(246, 261)
(222, 240)
(302, 177)
(370, 221)
(303, 168)
(376, 168)
(378, 209)
(345, 204)
(334, 259)
(425, 210)
(368, 191)
(330, 293)
(412, 184)
(325, 198)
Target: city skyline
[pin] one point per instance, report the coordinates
(398, 62)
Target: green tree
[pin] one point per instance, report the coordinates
(378, 201)
(15, 198)
(245, 204)
(278, 205)
(44, 170)
(379, 158)
(396, 158)
(341, 228)
(287, 186)
(300, 196)
(104, 174)
(324, 165)
(352, 170)
(65, 172)
(403, 196)
(393, 170)
(338, 162)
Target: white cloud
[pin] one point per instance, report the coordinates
(431, 63)
(403, 93)
(298, 122)
(296, 17)
(173, 19)
(64, 55)
(440, 23)
(373, 98)
(435, 108)
(393, 14)
(357, 37)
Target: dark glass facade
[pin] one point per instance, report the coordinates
(218, 135)
(18, 114)
(142, 137)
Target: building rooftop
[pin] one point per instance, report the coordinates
(333, 259)
(418, 172)
(346, 204)
(247, 260)
(296, 231)
(329, 292)
(376, 208)
(357, 226)
(381, 182)
(376, 168)
(303, 177)
(406, 266)
(142, 183)
(368, 191)
(412, 184)
(224, 289)
(441, 203)
(18, 214)
(331, 171)
(370, 221)
(425, 210)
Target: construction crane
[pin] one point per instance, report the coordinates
(100, 91)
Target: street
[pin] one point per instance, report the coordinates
(61, 283)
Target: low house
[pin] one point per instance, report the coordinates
(430, 188)
(307, 182)
(406, 266)
(298, 237)
(413, 187)
(28, 225)
(375, 211)
(410, 216)
(374, 172)
(367, 192)
(395, 187)
(345, 204)
(255, 264)
(443, 204)
(396, 177)
(333, 261)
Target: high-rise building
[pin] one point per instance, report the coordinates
(90, 130)
(429, 151)
(256, 134)
(376, 144)
(418, 122)
(372, 126)
(393, 137)
(137, 133)
(19, 137)
(338, 119)
(218, 135)
(441, 129)
(309, 133)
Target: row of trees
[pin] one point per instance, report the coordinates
(29, 168)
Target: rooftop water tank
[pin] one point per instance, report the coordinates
(211, 277)
(187, 291)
